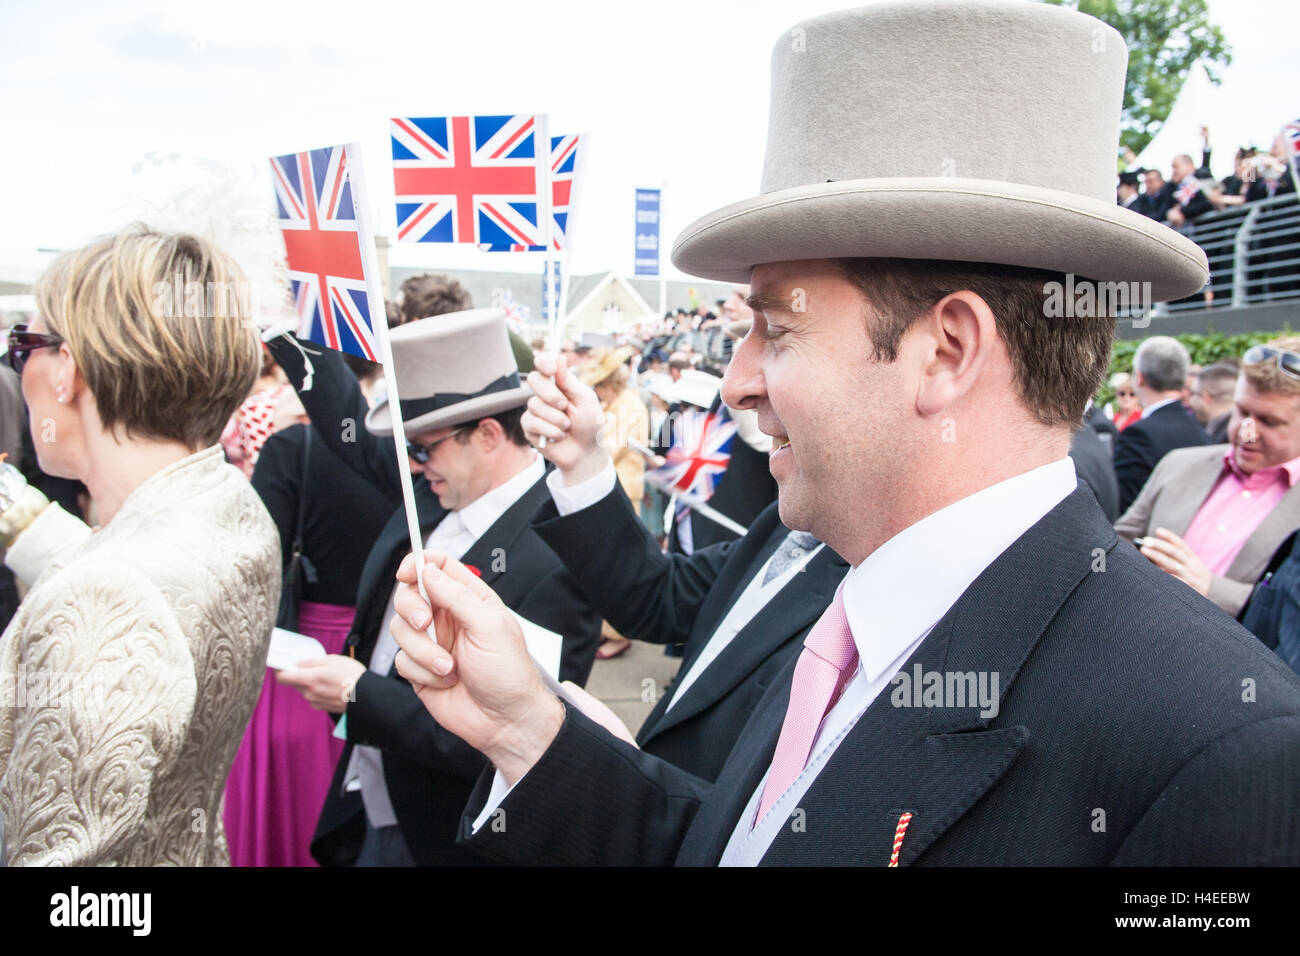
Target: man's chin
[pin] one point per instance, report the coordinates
(792, 515)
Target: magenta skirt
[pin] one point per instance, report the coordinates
(282, 772)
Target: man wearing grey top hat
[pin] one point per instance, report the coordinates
(998, 679)
(402, 780)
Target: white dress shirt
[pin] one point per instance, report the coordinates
(455, 534)
(893, 600)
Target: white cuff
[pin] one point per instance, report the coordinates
(571, 498)
(500, 790)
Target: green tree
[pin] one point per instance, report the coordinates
(1164, 37)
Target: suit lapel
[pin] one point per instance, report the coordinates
(716, 819)
(792, 609)
(731, 583)
(725, 592)
(490, 554)
(378, 575)
(1277, 524)
(1189, 497)
(933, 762)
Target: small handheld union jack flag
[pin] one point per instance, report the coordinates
(1186, 190)
(314, 195)
(696, 462)
(477, 179)
(565, 158)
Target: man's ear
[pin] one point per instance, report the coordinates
(490, 433)
(961, 334)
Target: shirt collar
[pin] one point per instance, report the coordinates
(1146, 412)
(911, 581)
(1291, 468)
(485, 510)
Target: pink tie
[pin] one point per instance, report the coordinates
(828, 661)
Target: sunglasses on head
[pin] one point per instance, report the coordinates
(1288, 362)
(421, 454)
(22, 343)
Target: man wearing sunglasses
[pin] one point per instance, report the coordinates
(402, 780)
(1213, 516)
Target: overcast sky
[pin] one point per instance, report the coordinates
(673, 92)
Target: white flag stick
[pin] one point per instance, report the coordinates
(550, 304)
(697, 504)
(379, 321)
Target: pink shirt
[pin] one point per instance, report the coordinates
(1235, 508)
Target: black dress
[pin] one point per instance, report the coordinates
(344, 516)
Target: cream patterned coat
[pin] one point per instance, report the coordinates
(129, 673)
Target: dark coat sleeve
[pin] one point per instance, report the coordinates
(277, 481)
(636, 814)
(387, 714)
(1092, 462)
(337, 410)
(644, 593)
(1134, 459)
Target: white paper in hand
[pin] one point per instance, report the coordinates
(544, 647)
(289, 647)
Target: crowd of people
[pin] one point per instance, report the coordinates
(933, 605)
(1192, 191)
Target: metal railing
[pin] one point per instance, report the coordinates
(1254, 254)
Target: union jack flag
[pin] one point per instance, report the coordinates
(696, 462)
(322, 243)
(1186, 190)
(516, 313)
(564, 163)
(468, 178)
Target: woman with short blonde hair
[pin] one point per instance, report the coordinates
(155, 625)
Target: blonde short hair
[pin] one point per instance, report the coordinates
(1267, 377)
(160, 328)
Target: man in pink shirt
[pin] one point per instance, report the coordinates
(1212, 516)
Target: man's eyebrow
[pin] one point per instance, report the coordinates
(768, 302)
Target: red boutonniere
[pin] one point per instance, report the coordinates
(473, 570)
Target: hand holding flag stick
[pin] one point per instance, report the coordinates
(568, 415)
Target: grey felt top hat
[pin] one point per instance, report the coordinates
(451, 369)
(971, 130)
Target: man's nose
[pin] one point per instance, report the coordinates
(742, 385)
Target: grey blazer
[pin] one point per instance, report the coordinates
(1174, 494)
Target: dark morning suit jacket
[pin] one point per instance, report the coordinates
(1124, 736)
(668, 599)
(429, 771)
(1092, 462)
(1139, 448)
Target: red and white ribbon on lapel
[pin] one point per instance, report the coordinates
(901, 829)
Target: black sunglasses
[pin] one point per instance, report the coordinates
(1288, 362)
(421, 454)
(22, 343)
